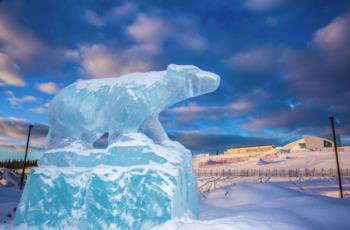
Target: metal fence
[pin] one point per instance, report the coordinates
(304, 172)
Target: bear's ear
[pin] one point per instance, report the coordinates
(173, 69)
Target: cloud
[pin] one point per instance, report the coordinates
(40, 109)
(9, 72)
(190, 108)
(242, 105)
(112, 15)
(264, 5)
(315, 79)
(22, 51)
(314, 70)
(11, 147)
(18, 42)
(16, 132)
(127, 9)
(71, 54)
(150, 32)
(94, 19)
(17, 119)
(256, 60)
(194, 41)
(99, 60)
(310, 84)
(324, 67)
(201, 142)
(286, 122)
(334, 39)
(258, 123)
(147, 32)
(186, 33)
(193, 111)
(47, 87)
(17, 102)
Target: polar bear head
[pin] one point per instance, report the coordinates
(196, 81)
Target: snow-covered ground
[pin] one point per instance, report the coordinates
(301, 159)
(271, 205)
(243, 206)
(312, 185)
(266, 206)
(320, 165)
(256, 202)
(9, 198)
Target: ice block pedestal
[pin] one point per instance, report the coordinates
(133, 184)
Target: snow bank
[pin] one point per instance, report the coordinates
(9, 198)
(253, 206)
(265, 206)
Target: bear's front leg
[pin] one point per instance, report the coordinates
(154, 130)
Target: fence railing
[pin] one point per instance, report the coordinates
(304, 172)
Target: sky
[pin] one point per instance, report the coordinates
(284, 65)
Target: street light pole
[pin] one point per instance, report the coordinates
(336, 157)
(25, 157)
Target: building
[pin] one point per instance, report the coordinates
(338, 138)
(249, 149)
(309, 142)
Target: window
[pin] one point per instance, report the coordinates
(327, 144)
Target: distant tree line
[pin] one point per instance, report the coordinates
(18, 164)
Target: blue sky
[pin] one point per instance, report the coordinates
(284, 64)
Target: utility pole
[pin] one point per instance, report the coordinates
(331, 119)
(25, 157)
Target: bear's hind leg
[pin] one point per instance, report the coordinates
(58, 139)
(88, 139)
(113, 136)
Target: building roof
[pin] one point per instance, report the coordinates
(250, 146)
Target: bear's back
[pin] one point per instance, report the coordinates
(100, 103)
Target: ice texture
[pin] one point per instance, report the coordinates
(133, 184)
(141, 179)
(86, 110)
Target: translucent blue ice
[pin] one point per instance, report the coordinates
(141, 179)
(86, 110)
